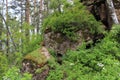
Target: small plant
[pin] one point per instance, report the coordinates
(14, 74)
(3, 64)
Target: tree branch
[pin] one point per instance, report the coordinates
(8, 31)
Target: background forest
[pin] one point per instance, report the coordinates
(59, 40)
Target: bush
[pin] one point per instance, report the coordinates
(14, 74)
(71, 20)
(98, 63)
(33, 44)
(3, 64)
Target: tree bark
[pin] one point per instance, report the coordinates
(7, 34)
(111, 12)
(1, 27)
(40, 16)
(34, 17)
(27, 11)
(27, 18)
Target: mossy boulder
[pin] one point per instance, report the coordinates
(38, 56)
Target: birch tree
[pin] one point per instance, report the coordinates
(111, 11)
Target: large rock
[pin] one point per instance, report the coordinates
(61, 43)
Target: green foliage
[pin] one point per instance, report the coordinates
(7, 61)
(14, 74)
(3, 64)
(115, 33)
(15, 58)
(98, 63)
(55, 73)
(32, 45)
(54, 5)
(31, 42)
(71, 20)
(23, 44)
(24, 40)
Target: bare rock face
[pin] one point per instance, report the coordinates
(60, 43)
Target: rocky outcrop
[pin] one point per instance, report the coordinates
(61, 43)
(100, 10)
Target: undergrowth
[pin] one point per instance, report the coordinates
(97, 63)
(71, 20)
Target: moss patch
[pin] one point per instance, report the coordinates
(36, 56)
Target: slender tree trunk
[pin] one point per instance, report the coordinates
(59, 6)
(111, 12)
(40, 16)
(47, 7)
(1, 27)
(34, 17)
(27, 17)
(7, 34)
(21, 13)
(21, 40)
(27, 11)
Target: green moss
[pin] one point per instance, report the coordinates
(36, 56)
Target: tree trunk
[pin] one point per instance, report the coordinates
(21, 40)
(7, 34)
(34, 17)
(59, 6)
(1, 27)
(111, 11)
(27, 16)
(40, 16)
(27, 11)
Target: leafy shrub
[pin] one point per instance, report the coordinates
(98, 63)
(14, 74)
(55, 73)
(3, 64)
(115, 33)
(33, 44)
(72, 19)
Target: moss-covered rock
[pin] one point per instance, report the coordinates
(39, 56)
